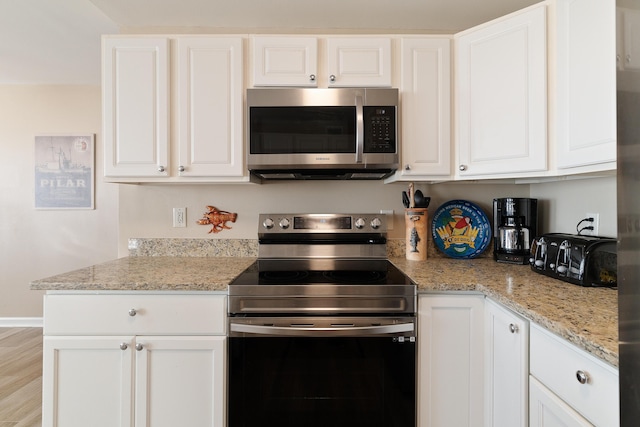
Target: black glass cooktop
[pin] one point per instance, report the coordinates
(309, 272)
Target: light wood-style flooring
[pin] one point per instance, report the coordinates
(20, 377)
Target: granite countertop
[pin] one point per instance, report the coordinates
(587, 317)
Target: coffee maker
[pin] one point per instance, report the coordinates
(515, 225)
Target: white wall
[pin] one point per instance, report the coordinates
(40, 243)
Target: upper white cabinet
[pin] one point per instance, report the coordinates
(359, 61)
(135, 96)
(297, 61)
(206, 104)
(210, 108)
(285, 61)
(629, 28)
(501, 96)
(426, 108)
(585, 71)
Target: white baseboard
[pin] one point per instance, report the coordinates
(21, 322)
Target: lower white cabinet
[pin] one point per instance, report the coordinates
(450, 360)
(565, 379)
(126, 378)
(506, 367)
(548, 410)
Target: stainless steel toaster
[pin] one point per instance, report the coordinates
(581, 260)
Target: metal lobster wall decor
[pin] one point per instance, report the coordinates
(217, 219)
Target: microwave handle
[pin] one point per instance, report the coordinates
(359, 128)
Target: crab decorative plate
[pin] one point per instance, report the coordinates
(461, 229)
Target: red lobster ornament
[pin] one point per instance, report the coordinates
(218, 219)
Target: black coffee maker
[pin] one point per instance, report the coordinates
(515, 225)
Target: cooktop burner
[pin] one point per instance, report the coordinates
(303, 272)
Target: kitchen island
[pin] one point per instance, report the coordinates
(586, 317)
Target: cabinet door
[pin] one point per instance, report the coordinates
(450, 360)
(135, 84)
(87, 381)
(547, 410)
(501, 96)
(506, 367)
(180, 381)
(285, 61)
(359, 61)
(586, 84)
(210, 88)
(630, 38)
(426, 107)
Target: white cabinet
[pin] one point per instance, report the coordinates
(547, 410)
(585, 71)
(629, 27)
(346, 62)
(450, 360)
(285, 61)
(425, 86)
(207, 142)
(135, 96)
(501, 96)
(116, 360)
(506, 367)
(569, 375)
(359, 61)
(210, 107)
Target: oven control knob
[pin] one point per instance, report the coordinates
(376, 223)
(284, 223)
(360, 223)
(268, 223)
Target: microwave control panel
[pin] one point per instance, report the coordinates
(379, 129)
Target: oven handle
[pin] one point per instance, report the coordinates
(320, 331)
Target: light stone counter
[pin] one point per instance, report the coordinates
(156, 273)
(587, 317)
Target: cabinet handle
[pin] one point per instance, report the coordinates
(123, 346)
(139, 347)
(181, 169)
(628, 58)
(312, 77)
(133, 312)
(332, 78)
(582, 377)
(462, 167)
(513, 328)
(160, 168)
(407, 167)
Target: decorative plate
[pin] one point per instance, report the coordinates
(461, 229)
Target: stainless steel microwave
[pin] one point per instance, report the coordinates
(305, 133)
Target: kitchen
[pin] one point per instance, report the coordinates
(83, 238)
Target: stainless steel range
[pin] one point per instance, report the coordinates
(322, 327)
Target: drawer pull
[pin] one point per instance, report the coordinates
(582, 377)
(133, 312)
(139, 347)
(123, 346)
(513, 328)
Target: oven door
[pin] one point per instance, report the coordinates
(318, 372)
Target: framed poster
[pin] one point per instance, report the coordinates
(64, 171)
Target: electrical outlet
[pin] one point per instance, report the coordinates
(389, 214)
(595, 224)
(179, 217)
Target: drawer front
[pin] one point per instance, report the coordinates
(556, 363)
(135, 314)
